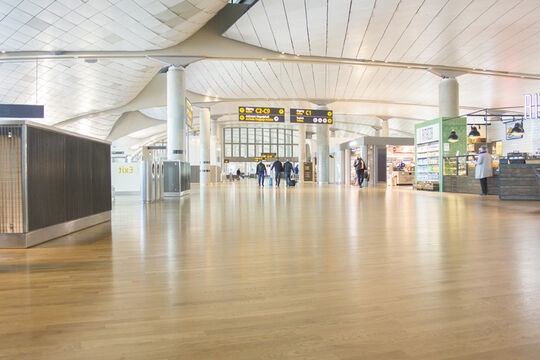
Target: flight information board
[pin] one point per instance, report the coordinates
(307, 116)
(189, 114)
(261, 114)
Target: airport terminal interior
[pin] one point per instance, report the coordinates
(269, 179)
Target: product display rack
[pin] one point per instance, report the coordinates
(428, 165)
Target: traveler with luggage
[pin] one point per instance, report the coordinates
(261, 172)
(360, 167)
(277, 166)
(288, 169)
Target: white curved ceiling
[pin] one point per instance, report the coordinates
(491, 34)
(485, 34)
(51, 25)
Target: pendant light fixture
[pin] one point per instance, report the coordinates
(474, 133)
(518, 130)
(453, 138)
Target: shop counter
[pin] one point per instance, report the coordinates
(402, 177)
(518, 181)
(459, 176)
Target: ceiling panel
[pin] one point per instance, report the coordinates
(492, 34)
(99, 24)
(68, 88)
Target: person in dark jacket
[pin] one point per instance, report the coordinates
(261, 172)
(288, 169)
(360, 167)
(277, 166)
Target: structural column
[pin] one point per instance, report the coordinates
(347, 166)
(342, 167)
(323, 151)
(176, 113)
(301, 150)
(385, 128)
(205, 146)
(448, 97)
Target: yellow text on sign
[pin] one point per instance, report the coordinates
(125, 170)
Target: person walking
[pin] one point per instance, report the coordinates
(288, 169)
(360, 167)
(484, 168)
(277, 166)
(261, 172)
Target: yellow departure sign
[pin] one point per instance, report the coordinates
(307, 116)
(261, 114)
(189, 114)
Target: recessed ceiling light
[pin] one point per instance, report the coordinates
(3, 51)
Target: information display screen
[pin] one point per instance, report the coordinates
(261, 114)
(307, 116)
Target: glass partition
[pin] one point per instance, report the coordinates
(250, 143)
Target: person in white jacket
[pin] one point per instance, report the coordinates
(484, 168)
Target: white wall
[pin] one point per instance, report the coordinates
(126, 177)
(529, 144)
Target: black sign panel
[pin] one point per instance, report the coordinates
(261, 114)
(307, 116)
(22, 111)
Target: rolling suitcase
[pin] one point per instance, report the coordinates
(292, 183)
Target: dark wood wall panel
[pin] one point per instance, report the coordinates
(46, 181)
(68, 178)
(101, 177)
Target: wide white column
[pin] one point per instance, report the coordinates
(448, 97)
(323, 152)
(385, 128)
(204, 136)
(301, 151)
(176, 113)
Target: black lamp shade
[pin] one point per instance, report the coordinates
(474, 133)
(453, 137)
(518, 130)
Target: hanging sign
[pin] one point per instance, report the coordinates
(189, 114)
(22, 111)
(307, 116)
(509, 134)
(261, 114)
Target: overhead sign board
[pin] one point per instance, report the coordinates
(307, 116)
(189, 114)
(266, 157)
(261, 114)
(22, 111)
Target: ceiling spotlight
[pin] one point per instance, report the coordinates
(283, 53)
(474, 133)
(453, 138)
(3, 51)
(518, 130)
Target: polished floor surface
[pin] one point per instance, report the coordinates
(234, 272)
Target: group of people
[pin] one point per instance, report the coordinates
(278, 167)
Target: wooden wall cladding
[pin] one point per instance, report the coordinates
(518, 182)
(68, 178)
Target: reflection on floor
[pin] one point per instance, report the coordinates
(234, 272)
